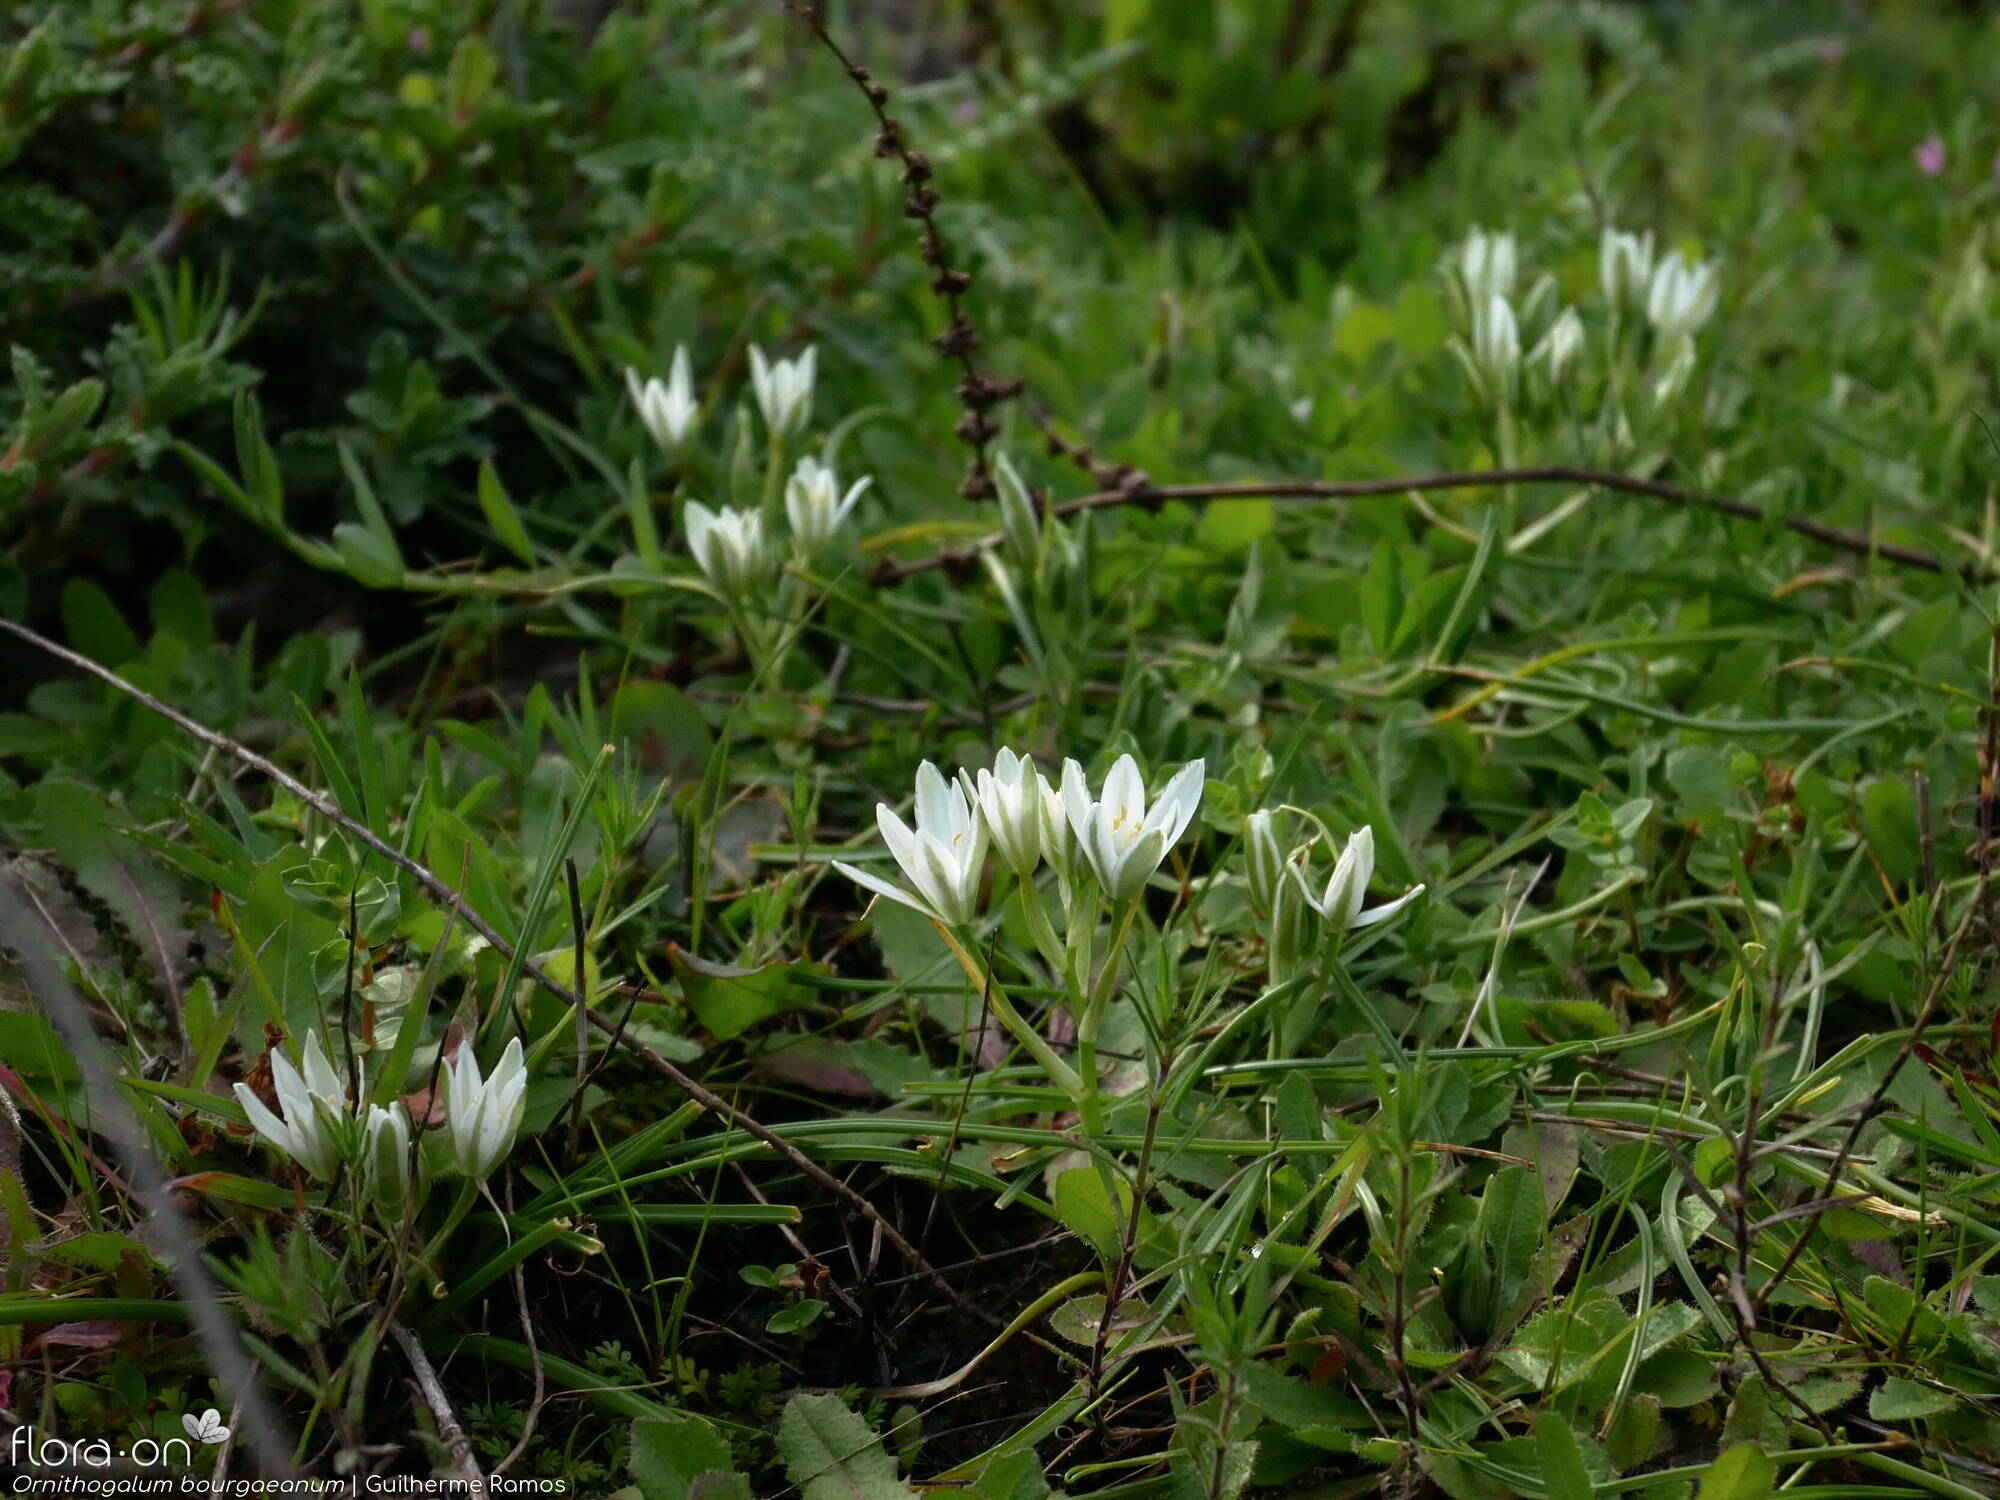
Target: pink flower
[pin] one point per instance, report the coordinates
(1832, 50)
(1930, 156)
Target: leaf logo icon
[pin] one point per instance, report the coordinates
(206, 1428)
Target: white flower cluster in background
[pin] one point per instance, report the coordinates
(736, 547)
(1519, 348)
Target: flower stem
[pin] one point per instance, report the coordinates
(1091, 1021)
(427, 1258)
(1042, 930)
(774, 482)
(1060, 1072)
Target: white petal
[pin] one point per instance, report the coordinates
(882, 888)
(294, 1099)
(1297, 869)
(1178, 802)
(321, 1079)
(1138, 865)
(1347, 887)
(700, 523)
(1099, 850)
(1075, 799)
(1362, 845)
(940, 877)
(852, 498)
(266, 1124)
(934, 810)
(896, 834)
(1125, 790)
(1382, 913)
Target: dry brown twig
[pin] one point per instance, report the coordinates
(977, 391)
(449, 1429)
(1298, 491)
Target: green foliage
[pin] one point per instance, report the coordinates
(830, 1454)
(319, 432)
(680, 1456)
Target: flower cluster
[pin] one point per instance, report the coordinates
(1117, 837)
(321, 1128)
(733, 546)
(1481, 277)
(1677, 295)
(1506, 340)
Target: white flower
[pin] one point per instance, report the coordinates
(481, 1115)
(1485, 266)
(784, 390)
(1010, 800)
(1057, 845)
(1122, 840)
(1340, 903)
(385, 1157)
(1496, 345)
(1264, 863)
(1020, 522)
(1558, 348)
(729, 546)
(668, 408)
(1625, 266)
(943, 857)
(1682, 297)
(815, 506)
(313, 1129)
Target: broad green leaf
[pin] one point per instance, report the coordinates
(1382, 594)
(502, 516)
(1898, 1399)
(728, 1000)
(1742, 1473)
(1234, 525)
(830, 1454)
(1562, 1460)
(1512, 1221)
(1633, 1432)
(93, 625)
(666, 1456)
(1088, 1212)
